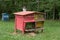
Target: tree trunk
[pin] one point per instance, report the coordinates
(37, 5)
(53, 14)
(59, 17)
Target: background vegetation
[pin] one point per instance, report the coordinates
(50, 7)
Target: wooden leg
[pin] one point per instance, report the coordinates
(42, 29)
(15, 30)
(23, 32)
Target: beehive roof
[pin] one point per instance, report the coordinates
(25, 12)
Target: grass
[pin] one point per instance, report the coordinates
(51, 31)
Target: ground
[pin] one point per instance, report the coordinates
(51, 31)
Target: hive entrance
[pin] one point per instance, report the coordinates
(30, 26)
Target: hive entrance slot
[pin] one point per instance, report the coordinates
(30, 26)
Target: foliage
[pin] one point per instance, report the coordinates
(12, 6)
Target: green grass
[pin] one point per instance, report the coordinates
(51, 31)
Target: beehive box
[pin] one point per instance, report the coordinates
(24, 17)
(39, 18)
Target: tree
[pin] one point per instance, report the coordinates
(48, 6)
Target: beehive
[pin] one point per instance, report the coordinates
(21, 18)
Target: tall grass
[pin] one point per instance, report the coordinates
(51, 32)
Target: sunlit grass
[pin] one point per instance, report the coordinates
(51, 31)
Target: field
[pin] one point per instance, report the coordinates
(51, 31)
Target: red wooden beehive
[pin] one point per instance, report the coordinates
(21, 18)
